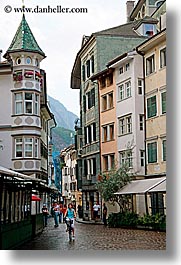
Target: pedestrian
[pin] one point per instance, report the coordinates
(56, 213)
(45, 215)
(96, 209)
(52, 210)
(104, 214)
(64, 209)
(60, 213)
(79, 209)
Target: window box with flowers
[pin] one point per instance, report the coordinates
(29, 74)
(17, 77)
(38, 76)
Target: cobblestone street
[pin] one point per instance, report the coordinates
(96, 237)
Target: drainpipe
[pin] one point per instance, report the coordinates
(142, 54)
(99, 105)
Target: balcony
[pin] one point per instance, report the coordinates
(90, 115)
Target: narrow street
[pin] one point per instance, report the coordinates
(96, 237)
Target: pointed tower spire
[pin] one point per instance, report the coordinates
(24, 40)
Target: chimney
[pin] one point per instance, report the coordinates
(0, 55)
(129, 9)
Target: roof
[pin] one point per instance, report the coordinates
(124, 30)
(24, 40)
(140, 186)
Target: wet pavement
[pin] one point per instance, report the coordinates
(96, 237)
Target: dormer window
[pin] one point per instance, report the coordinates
(28, 60)
(18, 60)
(158, 3)
(149, 30)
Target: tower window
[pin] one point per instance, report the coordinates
(18, 61)
(28, 60)
(37, 62)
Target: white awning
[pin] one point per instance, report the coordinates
(141, 186)
(159, 188)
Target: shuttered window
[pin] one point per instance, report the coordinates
(83, 72)
(152, 152)
(164, 149)
(151, 107)
(163, 97)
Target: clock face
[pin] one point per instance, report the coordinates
(18, 60)
(28, 60)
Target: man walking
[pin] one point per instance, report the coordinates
(96, 208)
(45, 214)
(56, 213)
(104, 214)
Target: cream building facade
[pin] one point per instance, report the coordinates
(25, 115)
(154, 55)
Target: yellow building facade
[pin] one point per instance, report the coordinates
(154, 52)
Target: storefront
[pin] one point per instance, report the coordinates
(18, 223)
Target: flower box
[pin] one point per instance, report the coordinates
(29, 74)
(38, 76)
(17, 77)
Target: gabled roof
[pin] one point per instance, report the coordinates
(24, 40)
(122, 31)
(125, 30)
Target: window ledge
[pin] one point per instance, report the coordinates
(107, 110)
(163, 114)
(154, 117)
(148, 75)
(25, 114)
(103, 142)
(119, 135)
(120, 100)
(162, 68)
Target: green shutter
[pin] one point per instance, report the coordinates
(152, 152)
(84, 103)
(151, 107)
(154, 107)
(164, 150)
(92, 62)
(149, 153)
(163, 102)
(83, 72)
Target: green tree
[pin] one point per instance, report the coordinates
(112, 182)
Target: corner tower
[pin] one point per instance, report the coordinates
(25, 87)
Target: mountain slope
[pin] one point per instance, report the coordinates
(63, 117)
(62, 138)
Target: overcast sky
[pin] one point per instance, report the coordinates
(60, 36)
